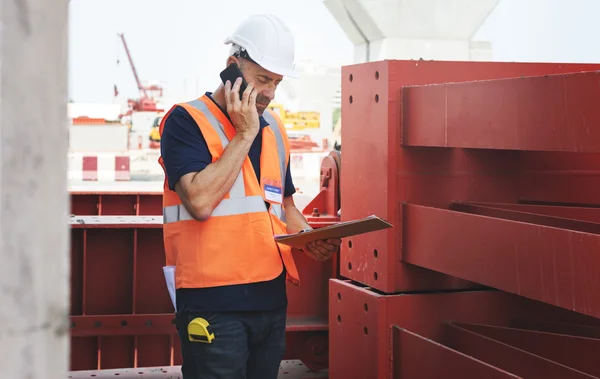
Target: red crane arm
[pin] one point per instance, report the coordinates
(135, 74)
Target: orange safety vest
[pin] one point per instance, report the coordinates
(235, 245)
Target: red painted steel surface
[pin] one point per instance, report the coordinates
(546, 113)
(383, 173)
(580, 330)
(360, 319)
(116, 204)
(414, 356)
(507, 357)
(580, 353)
(559, 177)
(120, 309)
(570, 212)
(551, 265)
(528, 217)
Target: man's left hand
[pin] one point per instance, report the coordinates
(322, 250)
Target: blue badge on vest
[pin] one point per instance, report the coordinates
(273, 193)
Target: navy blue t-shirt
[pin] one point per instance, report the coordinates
(184, 150)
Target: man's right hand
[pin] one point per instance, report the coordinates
(243, 113)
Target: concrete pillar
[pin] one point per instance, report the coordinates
(34, 254)
(414, 29)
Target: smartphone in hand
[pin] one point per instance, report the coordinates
(231, 73)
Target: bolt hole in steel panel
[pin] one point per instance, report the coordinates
(427, 176)
(356, 355)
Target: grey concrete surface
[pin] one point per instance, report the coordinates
(34, 273)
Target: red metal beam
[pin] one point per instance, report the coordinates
(115, 222)
(558, 327)
(576, 352)
(571, 212)
(116, 203)
(555, 266)
(507, 357)
(546, 113)
(122, 325)
(414, 356)
(528, 217)
(149, 324)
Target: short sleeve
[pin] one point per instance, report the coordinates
(290, 189)
(182, 146)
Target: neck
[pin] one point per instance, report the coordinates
(219, 96)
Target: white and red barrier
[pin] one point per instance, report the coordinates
(99, 167)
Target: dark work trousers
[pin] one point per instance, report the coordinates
(247, 345)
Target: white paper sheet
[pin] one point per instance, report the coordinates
(169, 272)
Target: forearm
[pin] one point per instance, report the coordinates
(201, 192)
(294, 219)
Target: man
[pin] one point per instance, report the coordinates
(228, 190)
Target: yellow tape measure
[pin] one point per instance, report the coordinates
(199, 330)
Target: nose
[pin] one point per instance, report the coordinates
(268, 94)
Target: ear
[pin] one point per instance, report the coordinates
(232, 59)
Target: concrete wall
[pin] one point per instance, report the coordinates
(34, 231)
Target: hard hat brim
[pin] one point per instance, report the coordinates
(281, 71)
(276, 70)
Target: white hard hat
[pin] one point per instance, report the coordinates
(268, 42)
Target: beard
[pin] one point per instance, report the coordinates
(261, 104)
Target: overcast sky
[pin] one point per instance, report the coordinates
(180, 42)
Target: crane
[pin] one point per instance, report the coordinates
(148, 94)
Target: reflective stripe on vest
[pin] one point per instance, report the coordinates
(277, 209)
(237, 203)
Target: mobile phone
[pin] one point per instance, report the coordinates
(231, 73)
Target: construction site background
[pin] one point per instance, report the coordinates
(120, 142)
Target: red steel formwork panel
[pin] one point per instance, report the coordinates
(549, 120)
(540, 256)
(121, 314)
(116, 203)
(461, 334)
(406, 141)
